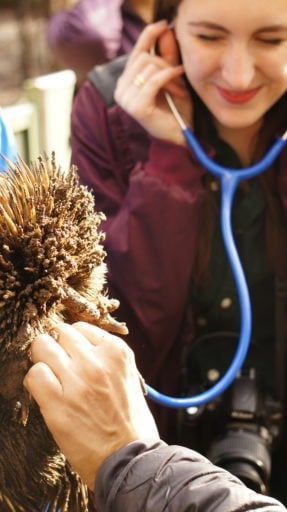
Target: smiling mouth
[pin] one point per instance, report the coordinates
(237, 97)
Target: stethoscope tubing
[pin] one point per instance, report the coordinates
(229, 179)
(243, 174)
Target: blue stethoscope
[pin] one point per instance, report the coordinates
(229, 179)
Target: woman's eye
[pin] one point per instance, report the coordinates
(206, 37)
(274, 41)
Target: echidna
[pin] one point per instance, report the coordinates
(51, 269)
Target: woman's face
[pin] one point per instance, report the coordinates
(235, 56)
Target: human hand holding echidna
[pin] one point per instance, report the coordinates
(51, 269)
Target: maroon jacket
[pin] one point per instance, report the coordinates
(92, 32)
(151, 192)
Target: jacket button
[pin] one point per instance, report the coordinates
(201, 321)
(214, 186)
(226, 303)
(213, 375)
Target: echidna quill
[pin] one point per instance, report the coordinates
(51, 268)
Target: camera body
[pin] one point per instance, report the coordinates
(241, 427)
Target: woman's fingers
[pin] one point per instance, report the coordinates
(144, 62)
(143, 81)
(168, 48)
(147, 39)
(140, 89)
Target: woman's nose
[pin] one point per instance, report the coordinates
(238, 67)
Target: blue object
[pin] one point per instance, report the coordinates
(229, 179)
(8, 146)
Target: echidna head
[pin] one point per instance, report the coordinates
(51, 268)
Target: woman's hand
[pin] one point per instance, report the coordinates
(140, 89)
(88, 389)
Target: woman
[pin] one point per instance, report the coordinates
(225, 66)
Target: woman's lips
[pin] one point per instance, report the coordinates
(238, 97)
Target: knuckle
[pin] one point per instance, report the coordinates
(150, 29)
(122, 351)
(79, 324)
(36, 370)
(34, 375)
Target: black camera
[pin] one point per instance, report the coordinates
(238, 430)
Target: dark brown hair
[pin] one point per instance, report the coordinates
(165, 9)
(275, 220)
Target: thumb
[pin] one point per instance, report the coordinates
(168, 48)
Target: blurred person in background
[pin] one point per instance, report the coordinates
(92, 32)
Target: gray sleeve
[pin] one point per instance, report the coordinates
(155, 477)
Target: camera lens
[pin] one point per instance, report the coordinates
(245, 455)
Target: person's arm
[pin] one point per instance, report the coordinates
(90, 395)
(149, 477)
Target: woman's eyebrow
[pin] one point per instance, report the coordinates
(208, 24)
(215, 26)
(272, 28)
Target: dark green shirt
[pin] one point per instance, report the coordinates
(216, 305)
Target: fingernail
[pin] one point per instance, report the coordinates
(54, 334)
